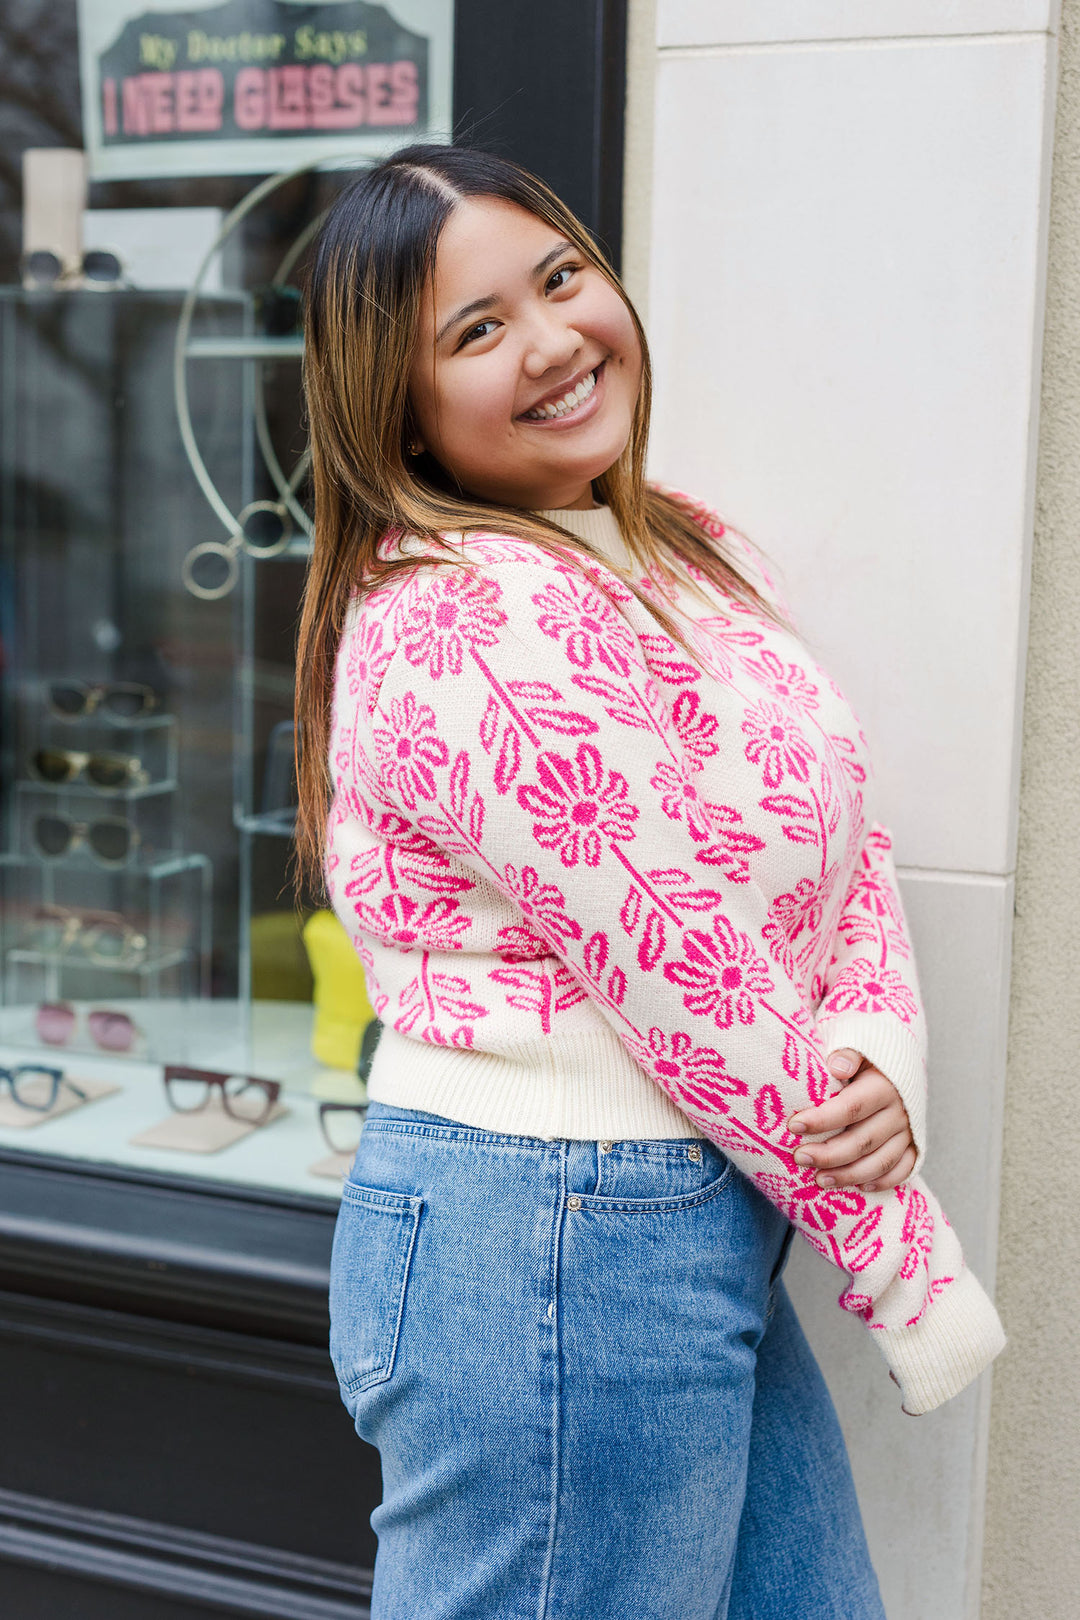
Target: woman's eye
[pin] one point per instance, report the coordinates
(475, 331)
(563, 270)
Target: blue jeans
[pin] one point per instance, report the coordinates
(589, 1390)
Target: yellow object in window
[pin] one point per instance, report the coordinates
(342, 1007)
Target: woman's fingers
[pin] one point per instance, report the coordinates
(900, 1171)
(867, 1094)
(845, 1062)
(882, 1166)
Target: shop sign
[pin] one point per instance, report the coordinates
(255, 86)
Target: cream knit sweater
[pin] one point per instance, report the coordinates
(604, 891)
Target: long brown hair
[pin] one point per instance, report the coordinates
(373, 259)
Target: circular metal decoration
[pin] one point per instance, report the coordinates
(262, 529)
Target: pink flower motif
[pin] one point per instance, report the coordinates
(789, 914)
(786, 681)
(366, 659)
(863, 987)
(870, 893)
(578, 805)
(440, 925)
(694, 1075)
(543, 902)
(409, 751)
(680, 799)
(457, 610)
(733, 844)
(776, 744)
(721, 973)
(592, 627)
(697, 728)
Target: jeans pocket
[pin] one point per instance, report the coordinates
(369, 1269)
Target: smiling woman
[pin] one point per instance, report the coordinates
(530, 404)
(600, 829)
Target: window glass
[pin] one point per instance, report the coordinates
(165, 1001)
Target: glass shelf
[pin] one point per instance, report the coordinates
(245, 348)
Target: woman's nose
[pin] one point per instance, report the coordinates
(550, 345)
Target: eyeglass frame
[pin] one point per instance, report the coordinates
(338, 1108)
(70, 273)
(91, 1014)
(134, 948)
(79, 831)
(97, 694)
(57, 1076)
(137, 774)
(215, 1080)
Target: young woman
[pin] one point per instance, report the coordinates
(600, 830)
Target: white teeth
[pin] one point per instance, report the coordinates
(567, 403)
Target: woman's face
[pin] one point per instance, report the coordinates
(527, 364)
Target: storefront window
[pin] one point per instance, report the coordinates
(166, 1000)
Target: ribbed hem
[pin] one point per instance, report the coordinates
(586, 1087)
(891, 1047)
(957, 1338)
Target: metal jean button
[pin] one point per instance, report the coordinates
(694, 1153)
(573, 1202)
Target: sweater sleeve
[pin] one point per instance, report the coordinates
(871, 999)
(518, 724)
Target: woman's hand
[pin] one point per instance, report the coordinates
(874, 1148)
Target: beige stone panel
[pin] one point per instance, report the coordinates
(1032, 1560)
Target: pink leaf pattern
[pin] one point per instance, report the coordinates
(548, 821)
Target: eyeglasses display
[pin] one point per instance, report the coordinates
(109, 840)
(240, 1095)
(150, 953)
(103, 937)
(97, 268)
(109, 772)
(117, 700)
(341, 1124)
(31, 1085)
(57, 1021)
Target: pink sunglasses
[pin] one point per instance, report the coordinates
(113, 1031)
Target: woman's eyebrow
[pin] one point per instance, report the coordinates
(479, 304)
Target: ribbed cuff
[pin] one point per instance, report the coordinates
(957, 1338)
(891, 1047)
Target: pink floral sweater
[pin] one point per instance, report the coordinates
(603, 890)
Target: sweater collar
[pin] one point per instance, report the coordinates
(599, 527)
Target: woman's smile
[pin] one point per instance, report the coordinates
(567, 407)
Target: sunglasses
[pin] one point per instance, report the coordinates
(55, 1022)
(103, 937)
(106, 772)
(97, 267)
(119, 700)
(33, 1086)
(110, 840)
(242, 1096)
(341, 1124)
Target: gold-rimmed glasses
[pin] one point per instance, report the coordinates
(103, 936)
(109, 773)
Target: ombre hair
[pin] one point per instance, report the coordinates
(373, 261)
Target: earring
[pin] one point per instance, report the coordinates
(414, 449)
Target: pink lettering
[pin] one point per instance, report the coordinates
(249, 98)
(288, 102)
(200, 98)
(108, 106)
